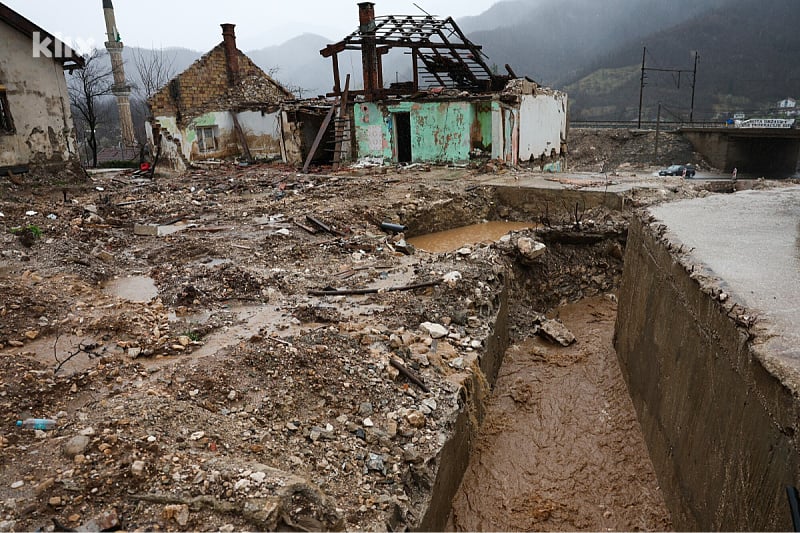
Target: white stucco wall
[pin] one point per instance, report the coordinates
(262, 132)
(39, 104)
(542, 124)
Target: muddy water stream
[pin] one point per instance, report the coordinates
(449, 240)
(560, 448)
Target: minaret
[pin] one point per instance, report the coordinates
(120, 89)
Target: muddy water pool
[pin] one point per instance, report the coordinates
(132, 288)
(449, 240)
(560, 448)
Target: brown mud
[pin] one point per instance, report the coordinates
(560, 449)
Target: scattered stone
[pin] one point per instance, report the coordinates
(430, 403)
(436, 331)
(17, 484)
(555, 331)
(108, 521)
(375, 462)
(415, 418)
(45, 485)
(138, 468)
(529, 248)
(75, 446)
(55, 501)
(177, 512)
(404, 247)
(365, 409)
(452, 278)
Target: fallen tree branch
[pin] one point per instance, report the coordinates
(354, 292)
(407, 372)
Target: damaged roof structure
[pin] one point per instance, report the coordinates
(36, 128)
(454, 108)
(222, 106)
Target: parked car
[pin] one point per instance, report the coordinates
(678, 170)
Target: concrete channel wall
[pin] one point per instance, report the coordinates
(454, 457)
(721, 429)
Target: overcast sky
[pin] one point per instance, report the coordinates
(195, 24)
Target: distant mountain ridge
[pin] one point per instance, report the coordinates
(749, 54)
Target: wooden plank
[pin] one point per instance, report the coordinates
(320, 135)
(242, 138)
(337, 86)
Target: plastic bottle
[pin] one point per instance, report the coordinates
(42, 424)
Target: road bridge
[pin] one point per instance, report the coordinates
(767, 152)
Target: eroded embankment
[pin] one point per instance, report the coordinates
(558, 447)
(722, 430)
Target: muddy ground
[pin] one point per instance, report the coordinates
(186, 335)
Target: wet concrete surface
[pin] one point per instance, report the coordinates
(560, 448)
(450, 240)
(751, 241)
(596, 181)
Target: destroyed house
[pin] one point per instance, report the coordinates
(36, 129)
(454, 107)
(222, 106)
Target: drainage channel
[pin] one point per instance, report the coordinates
(559, 447)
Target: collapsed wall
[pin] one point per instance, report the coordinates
(720, 421)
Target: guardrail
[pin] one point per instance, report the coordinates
(652, 125)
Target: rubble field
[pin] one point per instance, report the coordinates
(245, 348)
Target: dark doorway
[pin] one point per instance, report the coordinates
(311, 123)
(402, 128)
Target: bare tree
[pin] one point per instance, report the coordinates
(86, 87)
(295, 89)
(155, 69)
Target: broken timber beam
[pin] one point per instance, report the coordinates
(320, 135)
(412, 377)
(242, 138)
(357, 292)
(324, 227)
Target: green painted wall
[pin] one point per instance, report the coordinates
(441, 132)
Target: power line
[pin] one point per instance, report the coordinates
(673, 71)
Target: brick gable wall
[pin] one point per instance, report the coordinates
(203, 87)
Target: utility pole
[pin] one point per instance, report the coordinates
(694, 80)
(679, 71)
(641, 89)
(658, 129)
